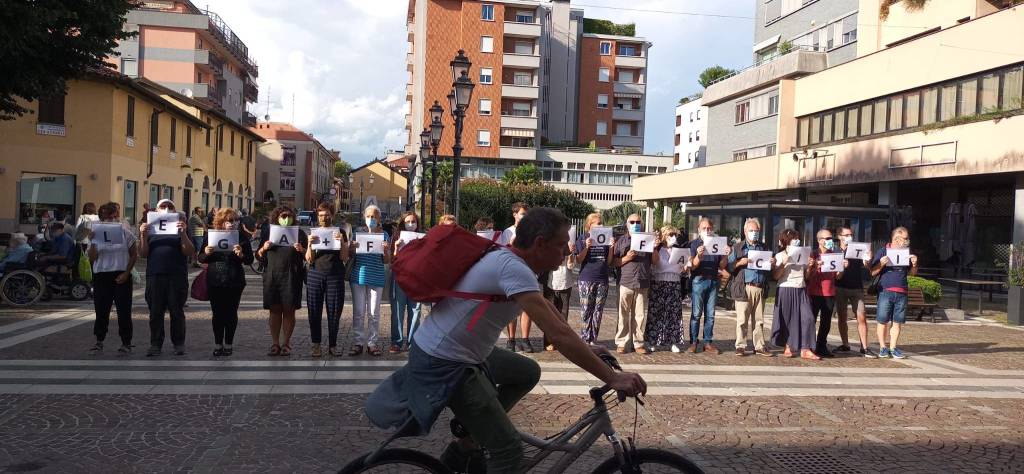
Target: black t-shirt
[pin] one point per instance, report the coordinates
(329, 261)
(853, 276)
(165, 257)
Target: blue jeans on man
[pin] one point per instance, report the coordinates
(705, 294)
(892, 306)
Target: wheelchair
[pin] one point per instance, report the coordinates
(26, 284)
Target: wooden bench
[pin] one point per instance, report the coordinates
(915, 303)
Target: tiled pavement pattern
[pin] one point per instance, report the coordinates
(957, 405)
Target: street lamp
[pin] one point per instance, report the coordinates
(436, 129)
(424, 155)
(350, 186)
(462, 87)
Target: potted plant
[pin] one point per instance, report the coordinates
(1015, 285)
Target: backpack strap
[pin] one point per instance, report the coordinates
(485, 302)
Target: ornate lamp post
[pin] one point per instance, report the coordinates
(458, 100)
(436, 129)
(424, 155)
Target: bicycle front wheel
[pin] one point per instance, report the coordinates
(397, 461)
(650, 461)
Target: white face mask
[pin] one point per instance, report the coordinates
(795, 243)
(706, 233)
(410, 226)
(671, 241)
(847, 240)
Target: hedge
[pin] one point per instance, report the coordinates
(489, 198)
(932, 290)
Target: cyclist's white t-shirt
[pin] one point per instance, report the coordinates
(507, 236)
(445, 333)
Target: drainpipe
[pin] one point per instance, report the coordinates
(216, 152)
(153, 122)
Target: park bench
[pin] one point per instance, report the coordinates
(915, 304)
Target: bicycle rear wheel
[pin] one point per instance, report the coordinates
(650, 461)
(397, 461)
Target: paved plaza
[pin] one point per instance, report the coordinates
(956, 405)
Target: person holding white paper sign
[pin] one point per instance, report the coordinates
(166, 280)
(850, 293)
(367, 280)
(112, 275)
(821, 286)
(508, 236)
(665, 316)
(325, 282)
(634, 287)
(405, 313)
(892, 299)
(793, 322)
(749, 288)
(225, 276)
(283, 278)
(592, 259)
(707, 271)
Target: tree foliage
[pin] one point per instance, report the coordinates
(618, 214)
(46, 43)
(342, 169)
(445, 170)
(712, 74)
(605, 27)
(525, 174)
(490, 198)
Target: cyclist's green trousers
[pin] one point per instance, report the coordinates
(482, 410)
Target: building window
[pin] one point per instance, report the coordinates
(521, 109)
(51, 110)
(486, 75)
(606, 48)
(1012, 91)
(129, 67)
(487, 12)
(602, 128)
(773, 104)
(989, 92)
(757, 107)
(627, 50)
(689, 157)
(881, 114)
(690, 137)
(486, 44)
(130, 129)
(130, 199)
(929, 105)
(483, 138)
(485, 106)
(815, 130)
(679, 120)
(742, 112)
(624, 129)
(865, 119)
(44, 197)
(625, 75)
(522, 78)
(232, 143)
(174, 134)
(739, 156)
(603, 74)
(188, 141)
(698, 114)
(602, 101)
(947, 102)
(208, 132)
(913, 108)
(968, 101)
(678, 140)
(896, 113)
(220, 138)
(524, 47)
(524, 16)
(697, 135)
(154, 128)
(826, 128)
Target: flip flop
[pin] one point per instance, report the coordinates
(275, 350)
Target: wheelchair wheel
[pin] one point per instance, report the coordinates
(79, 290)
(22, 288)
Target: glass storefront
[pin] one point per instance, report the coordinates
(130, 200)
(45, 197)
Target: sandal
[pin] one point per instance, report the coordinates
(356, 350)
(275, 350)
(809, 355)
(373, 351)
(286, 350)
(333, 351)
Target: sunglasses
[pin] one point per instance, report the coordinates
(634, 222)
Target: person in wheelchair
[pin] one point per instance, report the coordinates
(18, 250)
(61, 255)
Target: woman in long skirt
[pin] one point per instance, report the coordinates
(793, 324)
(664, 319)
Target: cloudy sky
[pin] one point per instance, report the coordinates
(336, 68)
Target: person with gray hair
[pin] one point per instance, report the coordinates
(634, 288)
(17, 251)
(367, 280)
(892, 299)
(750, 290)
(707, 272)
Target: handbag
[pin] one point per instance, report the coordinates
(875, 285)
(84, 269)
(199, 290)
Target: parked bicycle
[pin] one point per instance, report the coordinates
(595, 423)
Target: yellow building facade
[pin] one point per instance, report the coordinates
(377, 183)
(112, 138)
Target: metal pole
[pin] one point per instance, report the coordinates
(433, 187)
(423, 193)
(460, 115)
(410, 196)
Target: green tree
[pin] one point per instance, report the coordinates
(618, 214)
(525, 174)
(342, 169)
(712, 74)
(491, 198)
(46, 43)
(445, 170)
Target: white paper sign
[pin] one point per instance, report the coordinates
(898, 257)
(601, 235)
(798, 255)
(162, 223)
(409, 236)
(832, 262)
(223, 240)
(681, 257)
(325, 238)
(641, 242)
(491, 235)
(284, 235)
(370, 243)
(572, 234)
(858, 250)
(716, 246)
(107, 236)
(759, 260)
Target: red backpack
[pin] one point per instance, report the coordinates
(428, 268)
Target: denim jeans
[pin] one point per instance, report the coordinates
(705, 294)
(405, 316)
(892, 306)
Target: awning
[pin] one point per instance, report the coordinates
(627, 95)
(766, 43)
(517, 132)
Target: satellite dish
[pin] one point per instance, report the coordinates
(187, 92)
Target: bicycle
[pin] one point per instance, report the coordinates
(591, 426)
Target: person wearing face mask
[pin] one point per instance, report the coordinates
(225, 280)
(367, 281)
(112, 280)
(282, 280)
(405, 313)
(821, 287)
(793, 322)
(508, 236)
(593, 282)
(665, 316)
(706, 272)
(892, 299)
(749, 291)
(166, 280)
(634, 288)
(325, 285)
(850, 293)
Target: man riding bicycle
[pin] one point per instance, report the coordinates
(454, 363)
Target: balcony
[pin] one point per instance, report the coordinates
(248, 119)
(632, 115)
(408, 92)
(250, 91)
(798, 62)
(631, 61)
(220, 31)
(529, 30)
(201, 56)
(509, 121)
(520, 92)
(630, 88)
(528, 61)
(516, 153)
(627, 141)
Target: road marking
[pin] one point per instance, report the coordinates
(36, 320)
(46, 331)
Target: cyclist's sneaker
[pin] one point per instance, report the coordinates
(897, 354)
(868, 354)
(883, 353)
(458, 460)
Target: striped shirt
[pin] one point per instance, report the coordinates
(368, 268)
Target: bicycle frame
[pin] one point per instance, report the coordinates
(594, 424)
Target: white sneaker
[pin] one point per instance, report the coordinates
(676, 349)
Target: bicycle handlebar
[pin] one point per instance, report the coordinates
(598, 393)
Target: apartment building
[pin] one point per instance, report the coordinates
(892, 137)
(191, 51)
(541, 78)
(691, 134)
(602, 179)
(293, 168)
(111, 138)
